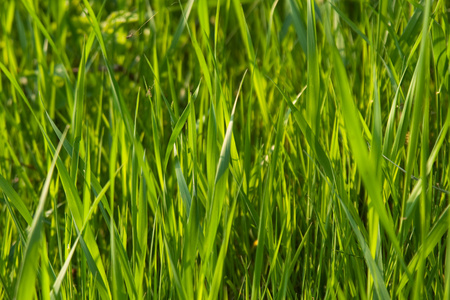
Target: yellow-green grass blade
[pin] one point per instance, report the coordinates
(55, 292)
(173, 115)
(193, 223)
(78, 113)
(313, 103)
(289, 265)
(389, 133)
(439, 53)
(180, 289)
(181, 26)
(156, 147)
(202, 10)
(22, 233)
(88, 242)
(142, 229)
(211, 150)
(120, 251)
(61, 55)
(421, 115)
(365, 165)
(258, 80)
(175, 134)
(312, 140)
(15, 199)
(351, 24)
(182, 186)
(376, 156)
(29, 264)
(434, 236)
(121, 107)
(299, 25)
(224, 158)
(217, 190)
(73, 200)
(218, 271)
(220, 181)
(265, 211)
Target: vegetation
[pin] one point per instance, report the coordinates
(224, 149)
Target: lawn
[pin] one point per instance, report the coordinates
(229, 149)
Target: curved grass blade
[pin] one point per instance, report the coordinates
(365, 165)
(225, 152)
(183, 188)
(120, 106)
(218, 271)
(258, 80)
(29, 264)
(15, 200)
(175, 133)
(264, 214)
(299, 25)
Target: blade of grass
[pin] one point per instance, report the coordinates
(267, 194)
(258, 80)
(15, 200)
(29, 264)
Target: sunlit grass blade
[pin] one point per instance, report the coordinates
(15, 200)
(326, 175)
(29, 265)
(202, 9)
(314, 102)
(183, 189)
(299, 25)
(55, 292)
(216, 282)
(215, 209)
(365, 165)
(312, 140)
(350, 23)
(435, 234)
(258, 80)
(421, 115)
(77, 114)
(264, 214)
(73, 200)
(225, 152)
(61, 55)
(176, 277)
(175, 133)
(181, 25)
(289, 265)
(120, 105)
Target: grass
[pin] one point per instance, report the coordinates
(224, 149)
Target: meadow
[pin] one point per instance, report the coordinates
(229, 149)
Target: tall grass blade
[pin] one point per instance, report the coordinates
(29, 264)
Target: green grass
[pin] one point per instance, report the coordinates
(224, 149)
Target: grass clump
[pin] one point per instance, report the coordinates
(224, 149)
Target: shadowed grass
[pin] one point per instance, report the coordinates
(224, 149)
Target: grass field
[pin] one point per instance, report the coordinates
(224, 149)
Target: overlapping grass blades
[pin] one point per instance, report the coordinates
(29, 265)
(324, 175)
